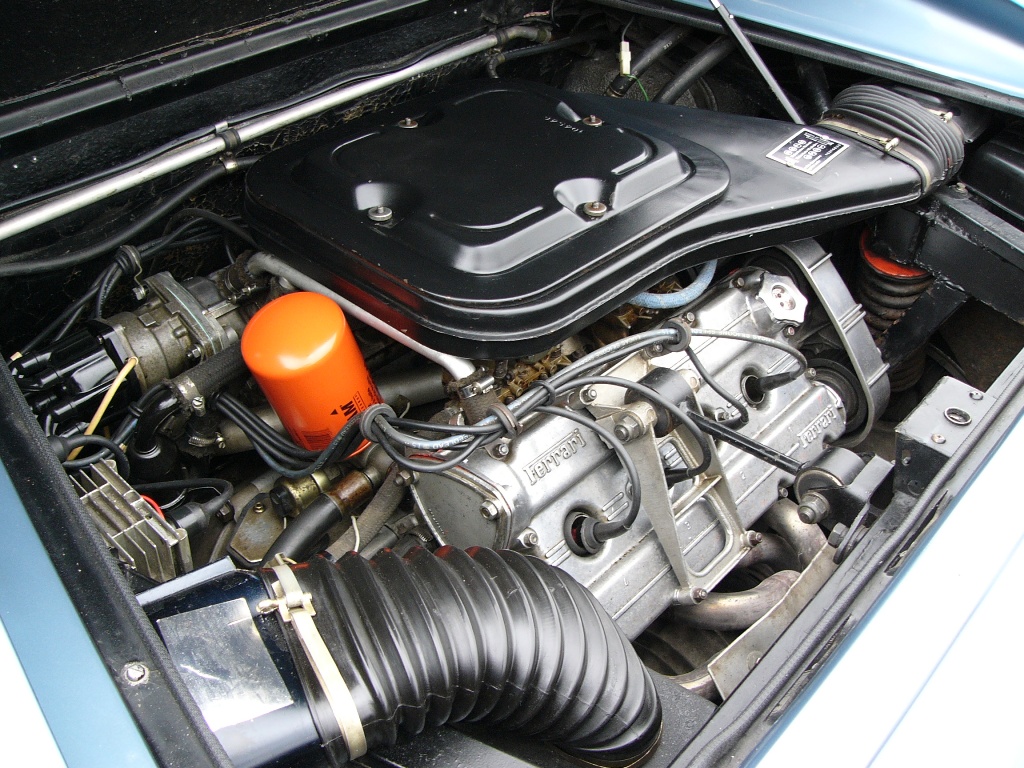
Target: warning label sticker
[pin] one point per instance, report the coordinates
(807, 151)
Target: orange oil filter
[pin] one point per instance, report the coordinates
(301, 351)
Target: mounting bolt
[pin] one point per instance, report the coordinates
(380, 214)
(135, 673)
(690, 318)
(698, 595)
(407, 122)
(813, 508)
(789, 331)
(628, 427)
(588, 394)
(593, 121)
(488, 511)
(501, 450)
(194, 353)
(739, 282)
(528, 539)
(199, 403)
(754, 538)
(938, 439)
(595, 209)
(139, 292)
(838, 534)
(811, 374)
(404, 478)
(259, 508)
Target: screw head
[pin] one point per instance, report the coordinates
(975, 395)
(588, 395)
(135, 673)
(595, 209)
(407, 122)
(259, 508)
(938, 439)
(199, 402)
(593, 121)
(139, 292)
(380, 214)
(690, 318)
(739, 282)
(789, 331)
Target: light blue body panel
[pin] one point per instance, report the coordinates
(86, 715)
(931, 677)
(981, 43)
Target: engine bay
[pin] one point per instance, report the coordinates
(553, 403)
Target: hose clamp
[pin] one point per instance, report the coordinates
(296, 608)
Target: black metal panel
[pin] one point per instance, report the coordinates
(959, 240)
(490, 253)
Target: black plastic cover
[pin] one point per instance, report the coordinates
(996, 171)
(490, 250)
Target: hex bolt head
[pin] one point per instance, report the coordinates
(813, 508)
(593, 121)
(501, 450)
(588, 394)
(407, 122)
(835, 538)
(595, 209)
(789, 331)
(698, 594)
(135, 673)
(404, 478)
(380, 214)
(754, 538)
(528, 538)
(488, 511)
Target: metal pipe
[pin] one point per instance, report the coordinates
(419, 386)
(757, 61)
(699, 681)
(806, 540)
(737, 611)
(772, 550)
(229, 137)
(458, 367)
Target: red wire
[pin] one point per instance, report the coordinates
(155, 506)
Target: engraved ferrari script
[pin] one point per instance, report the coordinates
(554, 457)
(814, 430)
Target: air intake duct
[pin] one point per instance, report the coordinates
(400, 645)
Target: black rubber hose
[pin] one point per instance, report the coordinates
(661, 45)
(213, 374)
(299, 539)
(18, 265)
(903, 127)
(153, 415)
(496, 638)
(535, 50)
(695, 69)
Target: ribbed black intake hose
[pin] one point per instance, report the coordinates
(902, 127)
(484, 636)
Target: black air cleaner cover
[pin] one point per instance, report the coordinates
(490, 250)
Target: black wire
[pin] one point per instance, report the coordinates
(610, 529)
(19, 265)
(432, 466)
(743, 414)
(79, 441)
(677, 413)
(225, 490)
(221, 221)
